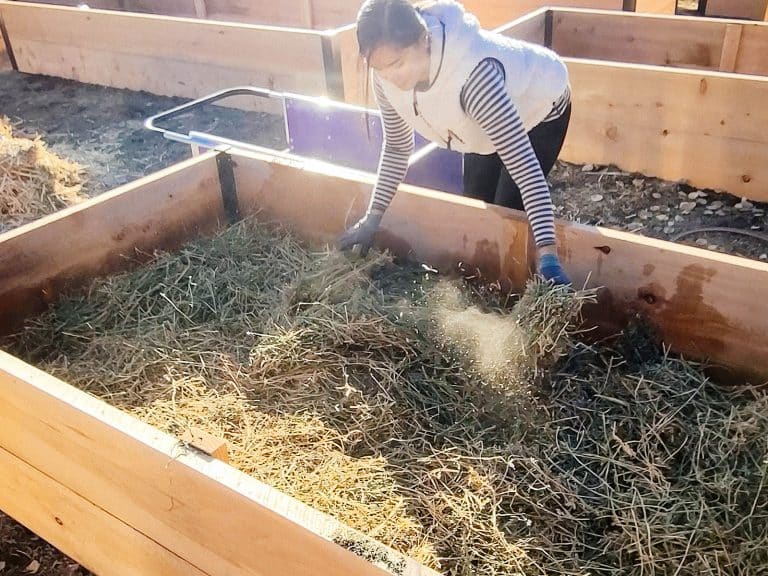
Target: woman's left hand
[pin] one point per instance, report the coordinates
(551, 269)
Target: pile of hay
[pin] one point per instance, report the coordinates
(366, 389)
(33, 180)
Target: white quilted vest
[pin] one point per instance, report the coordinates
(535, 77)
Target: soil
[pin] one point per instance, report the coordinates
(102, 129)
(605, 196)
(23, 553)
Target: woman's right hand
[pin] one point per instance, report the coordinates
(361, 233)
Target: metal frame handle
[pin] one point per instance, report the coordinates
(205, 140)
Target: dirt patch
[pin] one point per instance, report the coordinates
(102, 128)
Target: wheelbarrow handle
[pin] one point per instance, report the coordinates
(151, 122)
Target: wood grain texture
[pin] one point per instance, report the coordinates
(202, 511)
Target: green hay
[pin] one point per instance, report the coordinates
(364, 388)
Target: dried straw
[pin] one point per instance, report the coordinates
(363, 387)
(33, 180)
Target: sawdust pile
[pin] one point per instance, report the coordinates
(33, 180)
(372, 391)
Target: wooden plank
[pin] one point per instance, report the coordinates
(94, 538)
(702, 302)
(649, 119)
(746, 9)
(105, 234)
(164, 7)
(6, 60)
(531, 27)
(163, 55)
(656, 6)
(308, 17)
(290, 13)
(731, 45)
(355, 80)
(495, 13)
(751, 57)
(201, 510)
(339, 197)
(685, 42)
(97, 4)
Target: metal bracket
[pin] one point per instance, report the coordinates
(228, 186)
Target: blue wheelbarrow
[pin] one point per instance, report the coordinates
(320, 129)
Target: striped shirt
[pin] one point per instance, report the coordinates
(485, 99)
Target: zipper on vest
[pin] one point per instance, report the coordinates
(451, 133)
(451, 136)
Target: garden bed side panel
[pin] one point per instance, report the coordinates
(106, 234)
(702, 302)
(181, 513)
(293, 13)
(163, 55)
(325, 14)
(72, 523)
(682, 42)
(750, 9)
(705, 128)
(749, 42)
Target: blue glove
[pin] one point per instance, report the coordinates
(362, 233)
(551, 270)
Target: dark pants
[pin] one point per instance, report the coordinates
(486, 178)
